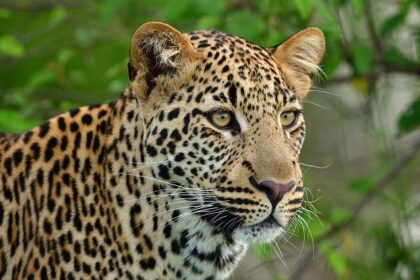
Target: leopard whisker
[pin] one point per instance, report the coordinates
(315, 166)
(305, 226)
(321, 90)
(207, 193)
(218, 218)
(146, 163)
(278, 252)
(235, 221)
(315, 104)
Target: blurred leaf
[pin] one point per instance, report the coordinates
(13, 121)
(273, 38)
(5, 13)
(58, 14)
(66, 105)
(362, 57)
(113, 71)
(117, 85)
(83, 37)
(173, 9)
(41, 77)
(263, 251)
(339, 215)
(304, 7)
(360, 84)
(246, 24)
(396, 20)
(339, 2)
(16, 98)
(64, 56)
(391, 251)
(10, 46)
(394, 56)
(110, 9)
(334, 58)
(211, 7)
(362, 185)
(208, 22)
(410, 119)
(77, 76)
(334, 258)
(324, 11)
(309, 228)
(358, 5)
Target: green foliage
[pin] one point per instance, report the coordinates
(14, 122)
(304, 7)
(334, 258)
(10, 46)
(362, 57)
(396, 20)
(245, 24)
(410, 119)
(362, 185)
(264, 251)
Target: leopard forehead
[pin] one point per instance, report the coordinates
(236, 72)
(242, 62)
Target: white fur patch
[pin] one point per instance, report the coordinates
(164, 50)
(306, 55)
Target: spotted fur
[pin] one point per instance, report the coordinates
(147, 187)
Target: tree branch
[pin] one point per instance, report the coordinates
(37, 7)
(377, 44)
(363, 202)
(386, 69)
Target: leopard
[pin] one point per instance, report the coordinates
(196, 161)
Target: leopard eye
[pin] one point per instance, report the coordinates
(221, 119)
(224, 119)
(288, 118)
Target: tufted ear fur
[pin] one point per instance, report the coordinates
(157, 49)
(299, 56)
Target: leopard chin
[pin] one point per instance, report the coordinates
(266, 231)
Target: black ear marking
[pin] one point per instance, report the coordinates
(131, 72)
(158, 50)
(156, 64)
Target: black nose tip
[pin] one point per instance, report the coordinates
(275, 191)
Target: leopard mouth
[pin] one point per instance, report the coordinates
(269, 221)
(210, 210)
(231, 225)
(265, 231)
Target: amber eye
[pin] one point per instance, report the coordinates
(221, 119)
(288, 118)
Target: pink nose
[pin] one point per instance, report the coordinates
(275, 191)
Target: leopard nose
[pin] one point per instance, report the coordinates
(275, 191)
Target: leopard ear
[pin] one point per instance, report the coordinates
(299, 56)
(157, 49)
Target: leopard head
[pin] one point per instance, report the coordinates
(223, 122)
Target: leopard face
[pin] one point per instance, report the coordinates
(225, 126)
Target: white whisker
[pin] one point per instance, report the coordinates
(315, 104)
(314, 166)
